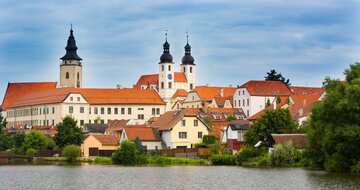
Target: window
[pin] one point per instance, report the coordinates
(162, 67)
(248, 113)
(78, 99)
(169, 84)
(53, 122)
(67, 75)
(53, 110)
(140, 108)
(71, 109)
(102, 121)
(169, 67)
(234, 103)
(183, 123)
(243, 102)
(71, 98)
(129, 111)
(109, 111)
(78, 76)
(196, 122)
(239, 103)
(158, 111)
(190, 69)
(239, 92)
(153, 111)
(140, 116)
(182, 135)
(89, 121)
(184, 69)
(81, 122)
(162, 85)
(39, 111)
(122, 111)
(200, 135)
(248, 102)
(89, 110)
(81, 109)
(240, 136)
(95, 110)
(191, 86)
(243, 92)
(102, 110)
(116, 111)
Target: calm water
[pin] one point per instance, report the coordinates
(178, 177)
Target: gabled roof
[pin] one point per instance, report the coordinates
(153, 79)
(107, 140)
(92, 95)
(117, 125)
(266, 88)
(207, 93)
(220, 101)
(144, 133)
(239, 125)
(222, 112)
(257, 115)
(169, 119)
(180, 93)
(297, 139)
(16, 91)
(180, 77)
(95, 128)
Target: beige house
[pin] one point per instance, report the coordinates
(99, 145)
(180, 129)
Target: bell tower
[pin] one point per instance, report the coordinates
(166, 73)
(188, 66)
(70, 66)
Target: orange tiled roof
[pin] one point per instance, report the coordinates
(220, 101)
(92, 96)
(116, 125)
(144, 133)
(221, 111)
(153, 79)
(15, 91)
(297, 139)
(207, 93)
(169, 119)
(107, 140)
(266, 88)
(180, 93)
(218, 128)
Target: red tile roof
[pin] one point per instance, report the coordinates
(221, 111)
(220, 101)
(180, 77)
(180, 93)
(144, 133)
(16, 91)
(107, 140)
(257, 115)
(153, 79)
(92, 96)
(207, 93)
(297, 139)
(116, 125)
(266, 88)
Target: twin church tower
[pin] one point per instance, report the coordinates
(166, 82)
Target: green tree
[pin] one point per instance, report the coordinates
(272, 121)
(334, 133)
(6, 141)
(34, 140)
(274, 76)
(141, 149)
(19, 139)
(267, 104)
(127, 154)
(68, 133)
(2, 122)
(71, 152)
(230, 118)
(278, 99)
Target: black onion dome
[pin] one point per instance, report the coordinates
(166, 57)
(187, 59)
(71, 49)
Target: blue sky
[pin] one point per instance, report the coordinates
(232, 41)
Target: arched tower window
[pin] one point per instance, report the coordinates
(162, 67)
(169, 67)
(67, 75)
(78, 76)
(184, 69)
(190, 69)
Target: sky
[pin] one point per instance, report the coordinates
(232, 41)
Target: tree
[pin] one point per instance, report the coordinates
(34, 140)
(230, 118)
(141, 149)
(6, 141)
(19, 139)
(272, 121)
(68, 133)
(71, 152)
(334, 133)
(127, 154)
(274, 76)
(2, 121)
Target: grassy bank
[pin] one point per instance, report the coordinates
(157, 160)
(62, 159)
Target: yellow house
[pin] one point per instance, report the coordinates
(99, 145)
(180, 129)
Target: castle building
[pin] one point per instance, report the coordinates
(168, 81)
(46, 103)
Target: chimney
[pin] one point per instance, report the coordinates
(222, 92)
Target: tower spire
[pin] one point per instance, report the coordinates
(166, 57)
(71, 48)
(187, 59)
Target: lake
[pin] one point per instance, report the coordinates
(174, 177)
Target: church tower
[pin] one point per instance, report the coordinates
(188, 66)
(70, 66)
(166, 73)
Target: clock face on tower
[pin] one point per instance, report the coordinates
(170, 76)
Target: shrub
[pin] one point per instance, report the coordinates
(246, 153)
(264, 160)
(127, 154)
(209, 139)
(356, 168)
(285, 155)
(31, 152)
(71, 152)
(200, 145)
(222, 160)
(51, 145)
(102, 160)
(35, 140)
(215, 149)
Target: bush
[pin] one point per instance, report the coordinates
(200, 145)
(285, 155)
(356, 168)
(31, 152)
(246, 153)
(102, 160)
(215, 149)
(209, 139)
(227, 160)
(71, 152)
(34, 140)
(127, 154)
(51, 145)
